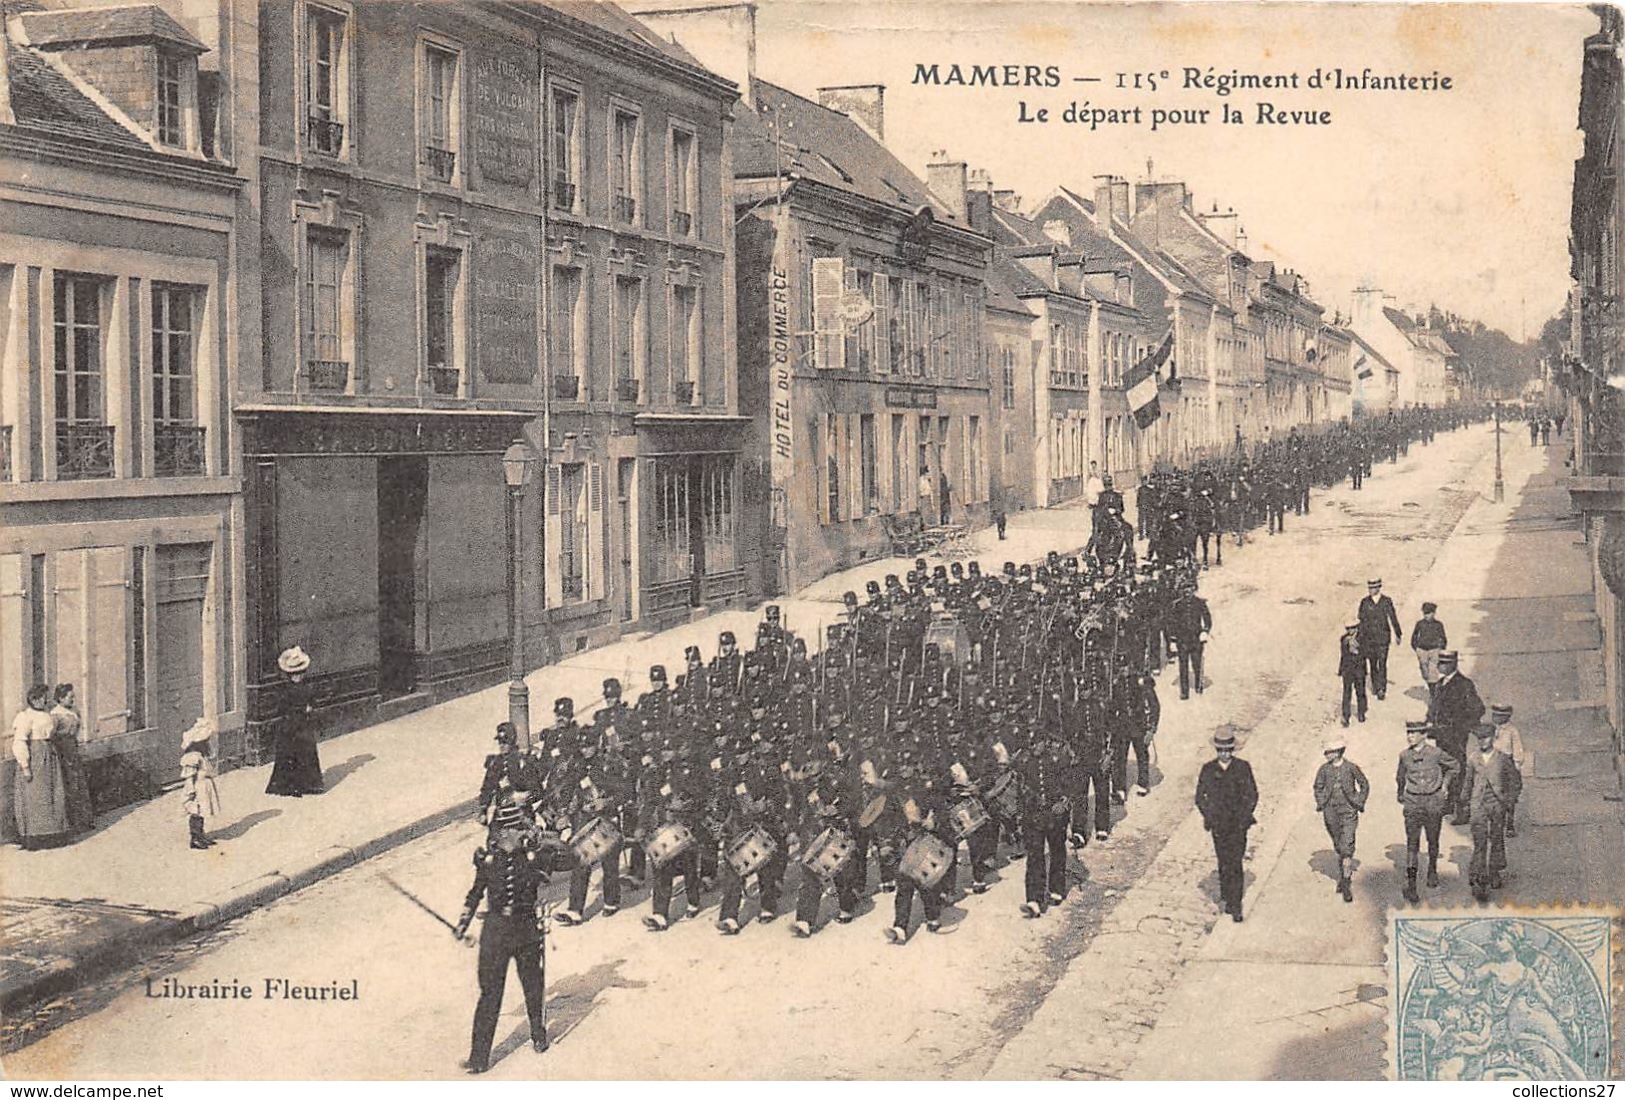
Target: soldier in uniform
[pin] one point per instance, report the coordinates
(1341, 790)
(1084, 715)
(1110, 501)
(680, 799)
(1377, 619)
(508, 876)
(1045, 771)
(604, 787)
(1491, 789)
(1226, 796)
(1425, 777)
(505, 769)
(1189, 622)
(1454, 713)
(924, 811)
(762, 797)
(1137, 712)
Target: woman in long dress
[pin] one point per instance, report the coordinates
(39, 799)
(298, 767)
(65, 740)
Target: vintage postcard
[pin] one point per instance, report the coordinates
(811, 540)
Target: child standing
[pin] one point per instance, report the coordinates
(201, 796)
(1512, 744)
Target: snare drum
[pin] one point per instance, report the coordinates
(926, 860)
(968, 816)
(829, 853)
(596, 839)
(669, 842)
(1003, 798)
(750, 851)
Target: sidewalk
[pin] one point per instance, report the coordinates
(93, 906)
(1303, 981)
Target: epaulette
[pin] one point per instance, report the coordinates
(481, 855)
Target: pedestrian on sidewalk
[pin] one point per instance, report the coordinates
(298, 768)
(1341, 790)
(999, 520)
(1425, 777)
(1511, 742)
(1351, 668)
(65, 739)
(1454, 712)
(1491, 789)
(1377, 619)
(39, 796)
(1226, 796)
(200, 798)
(1427, 642)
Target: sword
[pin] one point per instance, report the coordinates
(421, 904)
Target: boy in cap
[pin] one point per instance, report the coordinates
(1425, 777)
(1341, 790)
(1427, 642)
(1511, 742)
(1226, 796)
(1351, 668)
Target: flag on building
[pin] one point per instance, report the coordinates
(1141, 383)
(1362, 369)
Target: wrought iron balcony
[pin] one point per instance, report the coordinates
(683, 393)
(682, 223)
(444, 381)
(5, 453)
(440, 162)
(328, 374)
(177, 450)
(83, 451)
(626, 208)
(324, 135)
(564, 194)
(626, 389)
(566, 387)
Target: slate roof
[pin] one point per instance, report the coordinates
(42, 98)
(823, 145)
(63, 28)
(1370, 352)
(616, 20)
(1000, 296)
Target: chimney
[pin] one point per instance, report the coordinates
(865, 104)
(1008, 201)
(979, 202)
(1222, 225)
(1241, 240)
(722, 38)
(1367, 305)
(1059, 232)
(1040, 260)
(1069, 275)
(946, 179)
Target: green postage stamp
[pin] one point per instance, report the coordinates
(1486, 995)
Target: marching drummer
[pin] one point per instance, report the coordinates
(673, 848)
(928, 849)
(827, 807)
(759, 841)
(604, 783)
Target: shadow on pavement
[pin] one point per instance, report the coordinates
(338, 773)
(242, 825)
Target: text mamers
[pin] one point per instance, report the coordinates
(989, 76)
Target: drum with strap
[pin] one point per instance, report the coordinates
(595, 840)
(829, 853)
(750, 851)
(670, 841)
(926, 860)
(967, 816)
(1003, 798)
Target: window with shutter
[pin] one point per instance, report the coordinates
(593, 543)
(828, 279)
(881, 325)
(551, 542)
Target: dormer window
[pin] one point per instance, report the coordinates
(171, 99)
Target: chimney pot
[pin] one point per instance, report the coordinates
(946, 179)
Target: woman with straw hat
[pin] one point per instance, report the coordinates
(298, 767)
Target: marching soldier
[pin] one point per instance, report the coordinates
(1045, 776)
(1425, 777)
(505, 769)
(1341, 790)
(763, 797)
(1189, 622)
(1226, 796)
(1491, 789)
(508, 876)
(925, 814)
(1377, 619)
(604, 787)
(1138, 712)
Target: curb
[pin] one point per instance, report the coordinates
(125, 950)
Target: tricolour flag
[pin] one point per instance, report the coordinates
(1141, 383)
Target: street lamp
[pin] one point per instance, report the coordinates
(1500, 487)
(518, 464)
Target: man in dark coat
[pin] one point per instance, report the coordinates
(1379, 628)
(1351, 668)
(1189, 622)
(1491, 789)
(1424, 779)
(1226, 797)
(1454, 712)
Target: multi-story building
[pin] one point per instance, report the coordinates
(1012, 374)
(532, 243)
(1291, 322)
(120, 512)
(1374, 381)
(862, 303)
(1409, 343)
(1594, 369)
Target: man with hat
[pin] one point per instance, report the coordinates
(1226, 796)
(725, 666)
(1341, 790)
(1425, 777)
(1377, 618)
(1491, 789)
(1189, 622)
(1045, 772)
(504, 769)
(1351, 669)
(1427, 642)
(1511, 742)
(1454, 713)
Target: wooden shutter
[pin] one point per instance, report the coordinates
(854, 465)
(597, 544)
(552, 549)
(882, 323)
(828, 277)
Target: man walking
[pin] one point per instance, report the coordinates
(1492, 787)
(1351, 668)
(1377, 619)
(1226, 797)
(1425, 777)
(1427, 642)
(1454, 712)
(1510, 741)
(1341, 789)
(1189, 622)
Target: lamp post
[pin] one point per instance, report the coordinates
(1500, 487)
(518, 463)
